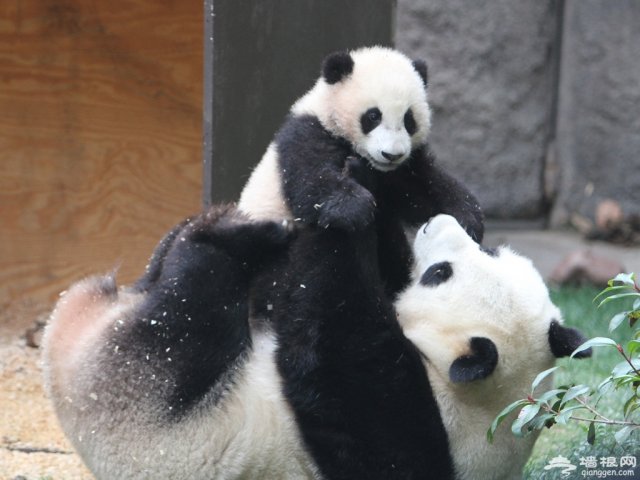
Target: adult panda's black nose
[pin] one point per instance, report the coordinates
(392, 157)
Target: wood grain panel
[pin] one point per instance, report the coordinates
(100, 136)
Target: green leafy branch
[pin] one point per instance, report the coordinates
(580, 402)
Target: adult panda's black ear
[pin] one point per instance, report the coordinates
(420, 66)
(563, 341)
(336, 67)
(478, 364)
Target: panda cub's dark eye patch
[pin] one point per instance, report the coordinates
(436, 274)
(370, 119)
(410, 123)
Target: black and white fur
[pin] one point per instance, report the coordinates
(371, 104)
(168, 378)
(165, 379)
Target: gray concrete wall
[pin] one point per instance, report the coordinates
(492, 76)
(598, 140)
(260, 56)
(537, 103)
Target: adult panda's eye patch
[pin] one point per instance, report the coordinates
(436, 274)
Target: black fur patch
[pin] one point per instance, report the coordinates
(358, 387)
(319, 192)
(478, 365)
(563, 341)
(337, 66)
(192, 327)
(410, 123)
(315, 183)
(491, 251)
(370, 120)
(421, 67)
(436, 274)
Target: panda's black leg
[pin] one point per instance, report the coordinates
(154, 267)
(355, 383)
(192, 326)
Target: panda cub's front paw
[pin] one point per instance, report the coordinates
(348, 210)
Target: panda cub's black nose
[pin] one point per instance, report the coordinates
(392, 157)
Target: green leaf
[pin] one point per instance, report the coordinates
(616, 297)
(502, 415)
(633, 346)
(574, 392)
(618, 288)
(546, 396)
(633, 400)
(636, 304)
(622, 434)
(591, 434)
(623, 368)
(526, 415)
(541, 376)
(564, 416)
(546, 419)
(595, 342)
(617, 320)
(605, 385)
(626, 278)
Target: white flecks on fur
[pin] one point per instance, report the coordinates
(502, 298)
(115, 418)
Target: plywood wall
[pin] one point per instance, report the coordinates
(100, 136)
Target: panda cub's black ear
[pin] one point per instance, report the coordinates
(421, 67)
(336, 67)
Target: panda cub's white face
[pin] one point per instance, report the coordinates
(380, 106)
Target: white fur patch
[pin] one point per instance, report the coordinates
(502, 298)
(262, 197)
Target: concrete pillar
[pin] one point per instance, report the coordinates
(260, 55)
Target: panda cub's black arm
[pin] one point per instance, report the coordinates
(419, 189)
(357, 386)
(315, 184)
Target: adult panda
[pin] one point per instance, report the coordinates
(369, 103)
(168, 379)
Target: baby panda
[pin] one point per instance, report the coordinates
(384, 393)
(370, 104)
(165, 379)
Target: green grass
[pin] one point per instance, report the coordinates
(570, 440)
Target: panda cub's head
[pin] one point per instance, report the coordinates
(375, 98)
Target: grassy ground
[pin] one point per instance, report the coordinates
(570, 441)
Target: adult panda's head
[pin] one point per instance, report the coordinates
(477, 314)
(376, 98)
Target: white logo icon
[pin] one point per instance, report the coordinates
(562, 463)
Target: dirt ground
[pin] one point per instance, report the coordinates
(32, 445)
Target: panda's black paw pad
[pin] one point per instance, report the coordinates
(347, 211)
